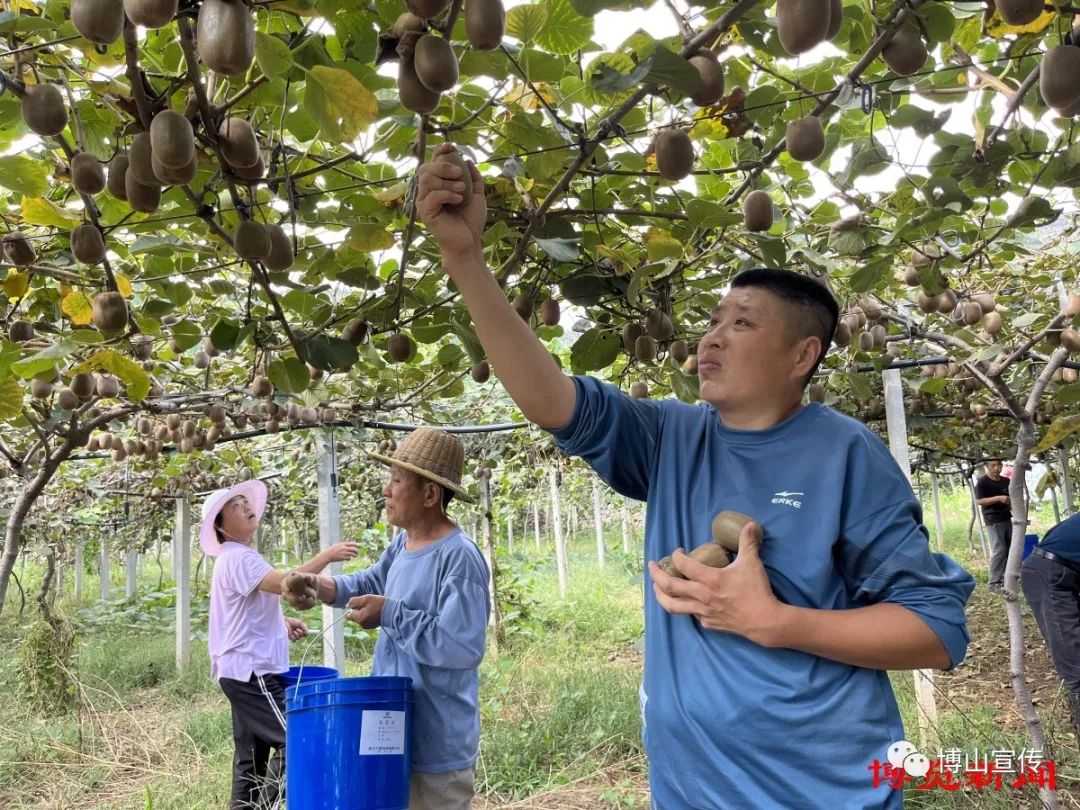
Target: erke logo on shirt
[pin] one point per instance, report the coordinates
(786, 499)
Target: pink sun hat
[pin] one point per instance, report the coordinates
(254, 491)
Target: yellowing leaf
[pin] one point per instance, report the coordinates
(39, 211)
(997, 28)
(77, 307)
(368, 237)
(131, 373)
(392, 197)
(11, 398)
(339, 103)
(123, 285)
(16, 284)
(1058, 432)
(660, 244)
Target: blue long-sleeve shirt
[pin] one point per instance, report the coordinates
(729, 724)
(434, 626)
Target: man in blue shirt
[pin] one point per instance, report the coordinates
(429, 595)
(1050, 578)
(765, 682)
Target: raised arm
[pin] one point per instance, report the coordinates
(530, 375)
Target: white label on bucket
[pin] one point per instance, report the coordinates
(382, 733)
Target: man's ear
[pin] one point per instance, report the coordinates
(807, 353)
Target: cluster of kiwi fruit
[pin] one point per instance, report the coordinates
(645, 341)
(719, 552)
(81, 388)
(102, 21)
(428, 66)
(966, 310)
(863, 326)
(268, 244)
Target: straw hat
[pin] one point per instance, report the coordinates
(433, 454)
(254, 491)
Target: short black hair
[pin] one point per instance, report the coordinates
(817, 306)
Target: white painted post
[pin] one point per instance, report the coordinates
(937, 513)
(510, 533)
(598, 520)
(103, 568)
(560, 542)
(61, 570)
(1057, 510)
(131, 566)
(78, 572)
(487, 528)
(984, 542)
(329, 534)
(625, 531)
(1066, 480)
(536, 526)
(898, 445)
(182, 570)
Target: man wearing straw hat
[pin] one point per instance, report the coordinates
(429, 595)
(249, 637)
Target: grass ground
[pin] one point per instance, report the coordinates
(559, 704)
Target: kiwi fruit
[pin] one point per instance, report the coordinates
(435, 63)
(805, 139)
(400, 347)
(679, 351)
(412, 93)
(727, 526)
(309, 416)
(485, 23)
(202, 360)
(712, 79)
(110, 311)
(18, 250)
(188, 428)
(878, 334)
(21, 331)
(645, 349)
(549, 312)
(905, 53)
(674, 154)
(712, 554)
(758, 211)
(100, 21)
(43, 109)
(226, 36)
(986, 301)
(1071, 111)
(87, 244)
(151, 13)
(140, 165)
(172, 140)
(115, 181)
(836, 18)
(658, 325)
(238, 142)
(1019, 12)
(407, 21)
(523, 305)
(251, 240)
(426, 9)
(66, 400)
(251, 173)
(281, 249)
(173, 177)
(140, 197)
(1057, 76)
(1070, 339)
(993, 322)
(458, 160)
(971, 313)
(925, 255)
(911, 276)
(82, 385)
(630, 333)
(927, 303)
(946, 301)
(816, 392)
(481, 371)
(87, 174)
(39, 389)
(355, 331)
(1069, 375)
(107, 386)
(866, 341)
(639, 390)
(802, 24)
(842, 335)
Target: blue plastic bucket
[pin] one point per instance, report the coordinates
(1030, 541)
(304, 675)
(348, 743)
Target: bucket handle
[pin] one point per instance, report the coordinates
(307, 649)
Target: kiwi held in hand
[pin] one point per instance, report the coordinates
(674, 154)
(458, 160)
(43, 109)
(711, 554)
(485, 23)
(727, 526)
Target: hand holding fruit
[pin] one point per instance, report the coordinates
(300, 590)
(727, 527)
(450, 201)
(365, 610)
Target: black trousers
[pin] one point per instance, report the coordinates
(1053, 591)
(258, 719)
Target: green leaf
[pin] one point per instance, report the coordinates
(339, 103)
(1026, 320)
(594, 350)
(330, 353)
(289, 375)
(469, 340)
(9, 354)
(273, 55)
(944, 192)
(709, 214)
(871, 274)
(1059, 431)
(43, 360)
(225, 335)
(685, 387)
(560, 249)
(136, 380)
(186, 334)
(11, 399)
(1068, 394)
(302, 303)
(605, 75)
(674, 72)
(24, 175)
(868, 156)
(527, 21)
(565, 31)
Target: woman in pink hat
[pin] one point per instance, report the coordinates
(249, 637)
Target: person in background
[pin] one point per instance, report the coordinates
(429, 595)
(1050, 579)
(992, 495)
(249, 638)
